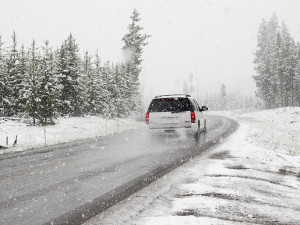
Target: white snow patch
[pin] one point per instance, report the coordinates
(274, 129)
(65, 130)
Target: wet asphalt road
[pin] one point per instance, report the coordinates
(70, 183)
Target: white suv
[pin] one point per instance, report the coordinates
(170, 112)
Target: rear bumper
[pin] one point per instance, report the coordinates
(170, 126)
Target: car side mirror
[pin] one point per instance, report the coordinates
(204, 108)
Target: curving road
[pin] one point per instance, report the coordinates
(70, 183)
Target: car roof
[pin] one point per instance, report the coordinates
(173, 96)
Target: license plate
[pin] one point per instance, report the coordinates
(169, 120)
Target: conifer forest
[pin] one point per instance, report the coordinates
(43, 82)
(277, 62)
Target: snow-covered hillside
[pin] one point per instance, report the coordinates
(277, 130)
(251, 177)
(65, 130)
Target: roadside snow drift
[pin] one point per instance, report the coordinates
(65, 130)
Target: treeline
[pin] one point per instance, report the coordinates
(224, 100)
(42, 82)
(277, 62)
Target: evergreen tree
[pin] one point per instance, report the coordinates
(266, 62)
(12, 81)
(119, 92)
(110, 111)
(61, 65)
(134, 41)
(23, 74)
(124, 85)
(3, 79)
(42, 84)
(91, 86)
(105, 98)
(32, 99)
(272, 31)
(260, 61)
(276, 61)
(289, 56)
(71, 97)
(48, 90)
(279, 70)
(100, 76)
(297, 78)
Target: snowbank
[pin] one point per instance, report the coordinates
(274, 129)
(65, 130)
(288, 115)
(253, 177)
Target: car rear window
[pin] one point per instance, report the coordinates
(170, 105)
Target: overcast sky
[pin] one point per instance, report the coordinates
(213, 40)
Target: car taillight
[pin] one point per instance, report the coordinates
(147, 118)
(193, 117)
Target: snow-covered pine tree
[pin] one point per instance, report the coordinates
(112, 89)
(11, 91)
(272, 31)
(63, 81)
(276, 65)
(32, 99)
(125, 84)
(48, 90)
(107, 79)
(22, 71)
(72, 100)
(134, 41)
(297, 78)
(101, 86)
(91, 82)
(3, 79)
(289, 57)
(260, 62)
(293, 78)
(266, 61)
(279, 70)
(19, 82)
(119, 91)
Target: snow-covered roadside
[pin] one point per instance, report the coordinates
(275, 129)
(241, 181)
(65, 130)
